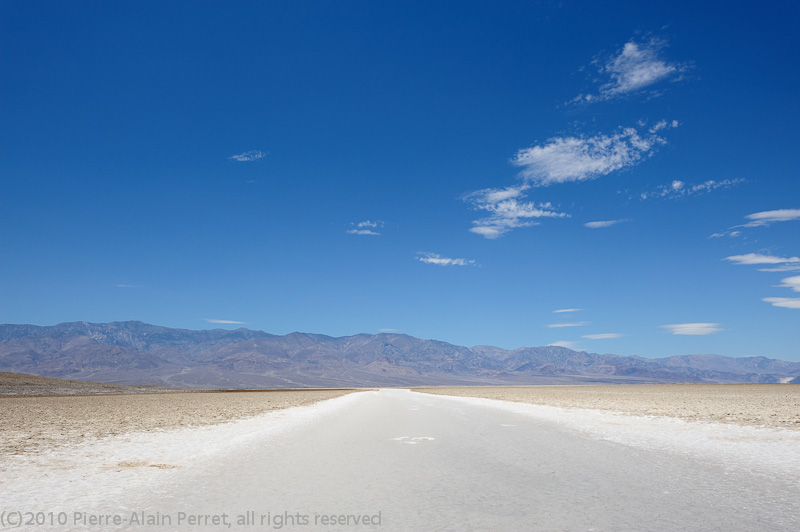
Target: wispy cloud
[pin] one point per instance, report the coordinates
(635, 67)
(506, 212)
(433, 258)
(602, 336)
(568, 159)
(388, 330)
(562, 310)
(726, 233)
(252, 155)
(784, 264)
(370, 223)
(769, 217)
(784, 302)
(564, 343)
(791, 282)
(679, 189)
(761, 219)
(367, 227)
(602, 224)
(559, 160)
(230, 322)
(569, 324)
(692, 329)
(756, 258)
(784, 268)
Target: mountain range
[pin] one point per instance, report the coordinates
(133, 352)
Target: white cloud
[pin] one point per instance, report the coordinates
(562, 310)
(633, 68)
(693, 329)
(769, 217)
(567, 159)
(366, 227)
(784, 268)
(755, 258)
(564, 343)
(570, 324)
(209, 320)
(791, 282)
(602, 224)
(505, 212)
(496, 195)
(370, 223)
(252, 155)
(433, 258)
(785, 302)
(763, 218)
(559, 160)
(388, 330)
(602, 336)
(679, 189)
(726, 233)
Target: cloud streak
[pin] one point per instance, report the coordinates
(784, 302)
(784, 268)
(783, 264)
(791, 282)
(603, 224)
(367, 227)
(569, 324)
(602, 336)
(755, 258)
(763, 219)
(433, 258)
(563, 310)
(758, 219)
(248, 156)
(229, 322)
(692, 329)
(564, 343)
(679, 189)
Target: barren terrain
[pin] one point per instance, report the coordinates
(34, 424)
(22, 384)
(771, 405)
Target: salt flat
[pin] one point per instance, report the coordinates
(762, 405)
(412, 461)
(35, 424)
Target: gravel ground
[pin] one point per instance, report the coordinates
(37, 424)
(770, 405)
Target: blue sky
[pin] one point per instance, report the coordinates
(453, 170)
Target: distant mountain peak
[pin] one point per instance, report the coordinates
(133, 352)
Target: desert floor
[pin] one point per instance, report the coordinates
(33, 424)
(413, 461)
(769, 405)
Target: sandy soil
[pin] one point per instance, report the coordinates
(771, 405)
(35, 424)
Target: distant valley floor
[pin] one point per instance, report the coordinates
(769, 405)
